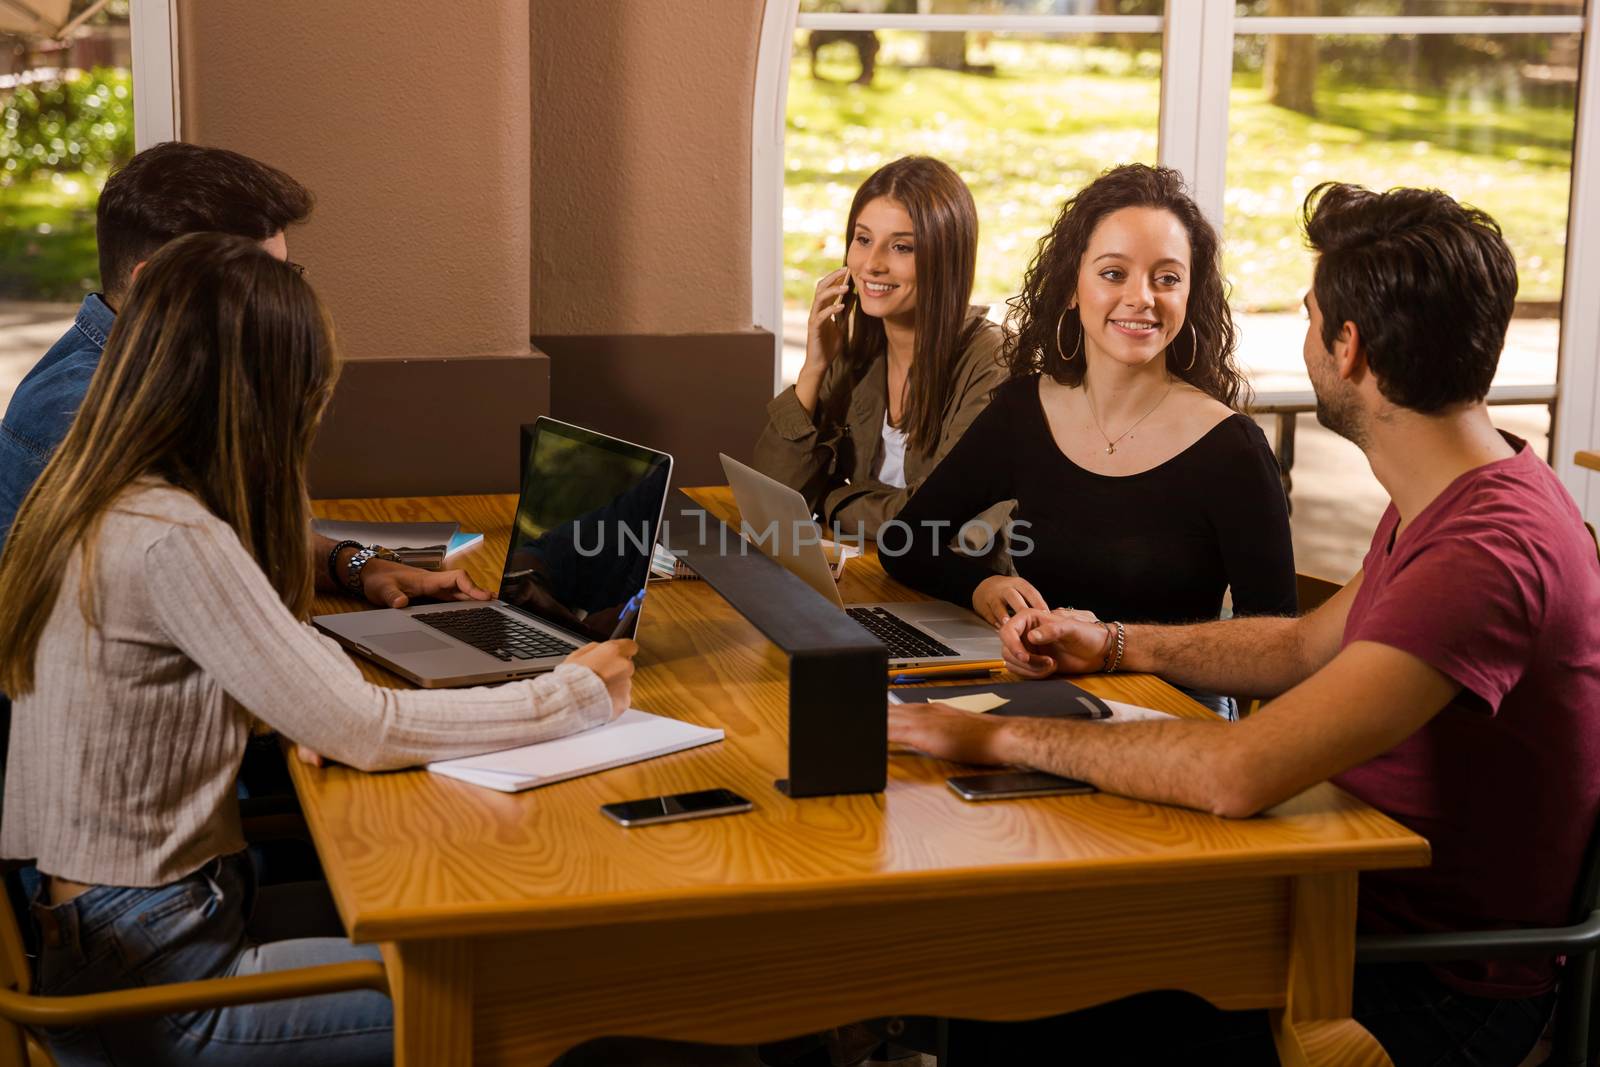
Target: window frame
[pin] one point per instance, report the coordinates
(1196, 76)
(153, 33)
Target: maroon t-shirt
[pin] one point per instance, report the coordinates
(1495, 585)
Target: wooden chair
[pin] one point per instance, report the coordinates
(20, 1009)
(1313, 592)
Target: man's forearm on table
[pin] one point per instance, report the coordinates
(1188, 763)
(1261, 656)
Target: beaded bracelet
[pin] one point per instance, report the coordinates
(1114, 648)
(333, 561)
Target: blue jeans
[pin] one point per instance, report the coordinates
(1224, 707)
(114, 938)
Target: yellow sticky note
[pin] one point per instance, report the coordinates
(976, 702)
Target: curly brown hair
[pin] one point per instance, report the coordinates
(1203, 355)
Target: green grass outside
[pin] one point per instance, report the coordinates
(1024, 138)
(1056, 114)
(47, 247)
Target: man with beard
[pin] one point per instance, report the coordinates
(1453, 684)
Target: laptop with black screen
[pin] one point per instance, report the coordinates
(576, 570)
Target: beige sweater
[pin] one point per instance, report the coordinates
(123, 758)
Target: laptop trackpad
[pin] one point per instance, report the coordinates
(957, 629)
(404, 641)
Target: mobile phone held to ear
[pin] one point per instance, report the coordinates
(1009, 784)
(700, 805)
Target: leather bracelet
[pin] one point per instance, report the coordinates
(333, 561)
(1115, 647)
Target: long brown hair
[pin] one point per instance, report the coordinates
(214, 378)
(1046, 329)
(944, 225)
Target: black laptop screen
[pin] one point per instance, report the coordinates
(585, 528)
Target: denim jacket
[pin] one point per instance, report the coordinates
(46, 400)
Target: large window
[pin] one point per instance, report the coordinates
(1256, 100)
(1489, 118)
(1025, 117)
(66, 118)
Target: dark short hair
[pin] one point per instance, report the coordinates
(1429, 283)
(174, 188)
(1202, 354)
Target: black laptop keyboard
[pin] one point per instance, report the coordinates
(904, 641)
(496, 633)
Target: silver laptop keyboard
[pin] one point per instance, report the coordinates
(497, 633)
(903, 640)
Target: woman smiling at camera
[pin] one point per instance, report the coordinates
(1145, 494)
(897, 364)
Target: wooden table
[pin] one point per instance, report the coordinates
(516, 926)
(1590, 460)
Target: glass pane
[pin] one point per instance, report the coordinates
(1386, 8)
(66, 118)
(983, 7)
(1487, 119)
(1027, 122)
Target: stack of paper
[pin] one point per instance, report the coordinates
(664, 565)
(636, 735)
(839, 553)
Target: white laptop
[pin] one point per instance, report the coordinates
(923, 633)
(575, 570)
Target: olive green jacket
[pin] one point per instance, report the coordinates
(830, 457)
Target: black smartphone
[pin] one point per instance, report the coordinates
(1008, 784)
(699, 805)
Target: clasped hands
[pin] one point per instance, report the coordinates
(1037, 643)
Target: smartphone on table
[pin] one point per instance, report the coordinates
(698, 805)
(1008, 784)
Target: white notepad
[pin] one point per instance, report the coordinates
(636, 735)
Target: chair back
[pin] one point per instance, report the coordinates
(15, 974)
(1576, 1001)
(1313, 592)
(1310, 593)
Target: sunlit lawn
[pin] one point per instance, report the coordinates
(47, 247)
(1053, 115)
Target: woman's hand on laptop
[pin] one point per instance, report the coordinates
(1000, 596)
(612, 661)
(393, 585)
(1038, 643)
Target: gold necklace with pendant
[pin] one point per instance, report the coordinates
(1111, 445)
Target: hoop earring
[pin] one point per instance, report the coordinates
(1075, 349)
(1194, 347)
